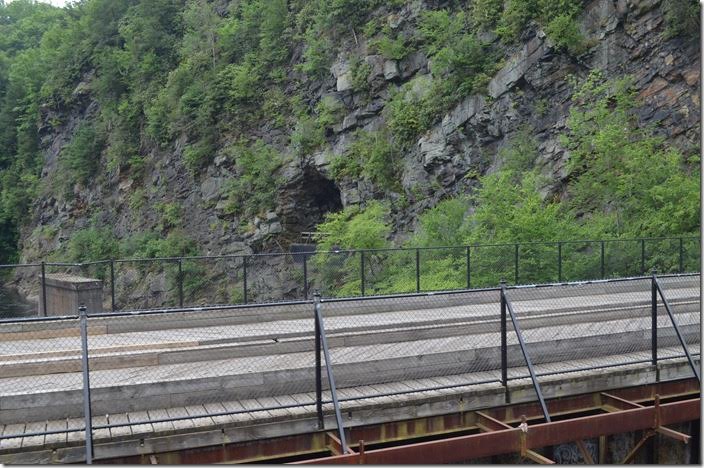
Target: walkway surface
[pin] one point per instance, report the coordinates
(439, 345)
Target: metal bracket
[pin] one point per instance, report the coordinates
(526, 356)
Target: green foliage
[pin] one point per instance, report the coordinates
(81, 157)
(198, 154)
(352, 228)
(307, 136)
(371, 156)
(92, 244)
(682, 19)
(508, 19)
(414, 108)
(521, 152)
(360, 71)
(564, 32)
(254, 189)
(621, 168)
(461, 64)
(152, 245)
(355, 228)
(394, 48)
(485, 14)
(330, 112)
(171, 215)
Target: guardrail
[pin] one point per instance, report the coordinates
(468, 333)
(146, 283)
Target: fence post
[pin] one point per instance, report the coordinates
(244, 279)
(83, 321)
(654, 325)
(504, 350)
(515, 263)
(180, 283)
(642, 257)
(318, 366)
(469, 269)
(417, 270)
(603, 271)
(305, 276)
(361, 270)
(559, 262)
(43, 289)
(681, 256)
(112, 284)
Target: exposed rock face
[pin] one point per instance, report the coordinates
(530, 88)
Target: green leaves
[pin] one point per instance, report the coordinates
(355, 228)
(371, 156)
(254, 188)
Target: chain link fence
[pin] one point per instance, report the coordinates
(179, 369)
(155, 283)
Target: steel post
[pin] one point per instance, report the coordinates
(504, 348)
(244, 278)
(515, 263)
(559, 262)
(305, 276)
(469, 268)
(526, 356)
(331, 378)
(44, 289)
(654, 321)
(361, 270)
(318, 368)
(642, 257)
(112, 284)
(677, 329)
(83, 319)
(180, 283)
(603, 270)
(417, 270)
(681, 256)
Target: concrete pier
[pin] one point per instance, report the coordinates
(65, 293)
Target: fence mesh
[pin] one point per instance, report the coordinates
(582, 326)
(682, 294)
(382, 346)
(182, 369)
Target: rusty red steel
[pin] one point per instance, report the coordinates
(506, 441)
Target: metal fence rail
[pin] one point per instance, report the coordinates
(181, 368)
(146, 283)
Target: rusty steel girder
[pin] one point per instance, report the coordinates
(500, 442)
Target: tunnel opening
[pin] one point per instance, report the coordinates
(306, 201)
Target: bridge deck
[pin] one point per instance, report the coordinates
(353, 398)
(147, 368)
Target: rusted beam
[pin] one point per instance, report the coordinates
(335, 445)
(505, 441)
(315, 444)
(613, 403)
(488, 424)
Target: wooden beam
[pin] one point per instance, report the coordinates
(631, 455)
(585, 453)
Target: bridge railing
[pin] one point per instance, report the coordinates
(182, 368)
(146, 283)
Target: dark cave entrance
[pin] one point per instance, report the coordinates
(307, 200)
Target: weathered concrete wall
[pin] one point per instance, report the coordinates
(65, 293)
